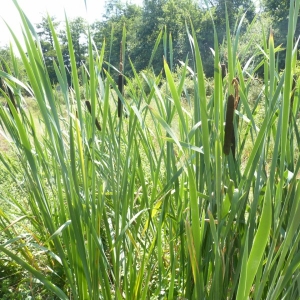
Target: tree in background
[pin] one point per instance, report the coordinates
(5, 56)
(278, 10)
(111, 29)
(11, 64)
(176, 14)
(113, 9)
(143, 25)
(78, 31)
(235, 10)
(47, 45)
(147, 35)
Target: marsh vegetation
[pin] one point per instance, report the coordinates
(149, 206)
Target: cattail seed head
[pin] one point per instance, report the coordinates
(229, 125)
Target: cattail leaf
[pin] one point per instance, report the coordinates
(259, 244)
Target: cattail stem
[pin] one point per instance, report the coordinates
(120, 83)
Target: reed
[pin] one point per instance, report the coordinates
(150, 207)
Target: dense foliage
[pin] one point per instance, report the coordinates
(172, 186)
(144, 24)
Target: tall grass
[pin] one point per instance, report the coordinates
(150, 207)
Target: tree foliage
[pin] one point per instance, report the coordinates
(78, 31)
(11, 64)
(278, 10)
(47, 44)
(111, 30)
(144, 23)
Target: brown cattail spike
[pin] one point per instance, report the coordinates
(236, 83)
(97, 124)
(89, 107)
(224, 71)
(229, 130)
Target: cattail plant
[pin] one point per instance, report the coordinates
(117, 215)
